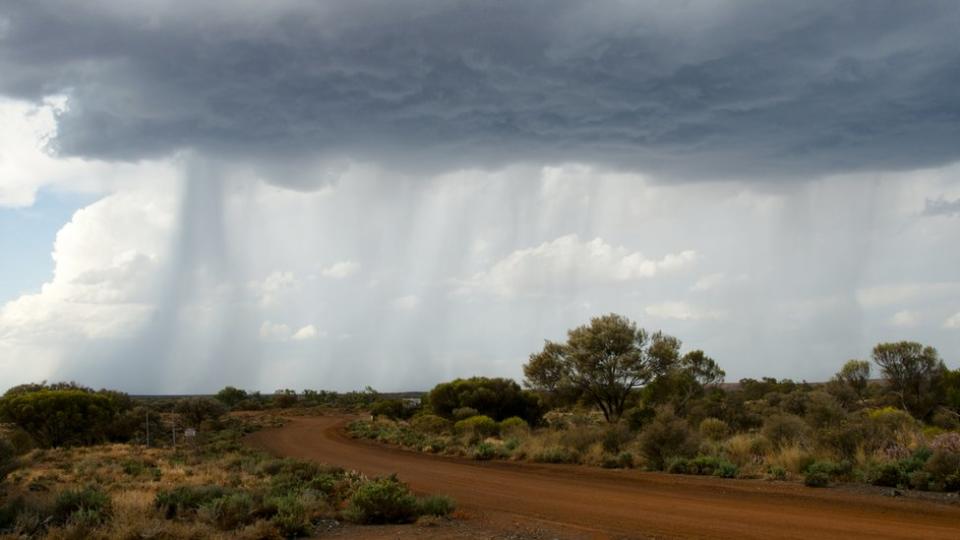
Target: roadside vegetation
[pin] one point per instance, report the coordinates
(617, 396)
(74, 464)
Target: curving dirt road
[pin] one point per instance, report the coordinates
(602, 503)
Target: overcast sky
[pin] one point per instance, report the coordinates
(335, 194)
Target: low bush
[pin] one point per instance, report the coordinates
(480, 426)
(185, 499)
(818, 470)
(291, 519)
(714, 429)
(435, 505)
(431, 423)
(816, 479)
(666, 437)
(484, 451)
(382, 500)
(462, 413)
(702, 465)
(514, 423)
(91, 503)
(555, 454)
(785, 429)
(887, 475)
(776, 473)
(230, 511)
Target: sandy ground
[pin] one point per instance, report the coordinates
(524, 500)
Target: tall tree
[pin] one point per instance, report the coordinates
(602, 361)
(855, 374)
(913, 372)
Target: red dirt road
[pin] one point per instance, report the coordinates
(602, 503)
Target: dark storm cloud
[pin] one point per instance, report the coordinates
(683, 89)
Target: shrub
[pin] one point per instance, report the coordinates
(8, 457)
(285, 398)
(514, 423)
(919, 480)
(431, 423)
(816, 479)
(435, 505)
(581, 438)
(678, 465)
(394, 409)
(667, 436)
(614, 437)
(462, 413)
(942, 466)
(93, 504)
(888, 475)
(65, 417)
(497, 398)
(194, 411)
(484, 451)
(744, 448)
(714, 429)
(184, 499)
(555, 454)
(291, 519)
(481, 426)
(638, 417)
(231, 396)
(946, 442)
(230, 511)
(382, 500)
(726, 470)
(775, 472)
(784, 429)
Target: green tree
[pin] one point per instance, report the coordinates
(855, 374)
(196, 410)
(602, 361)
(702, 368)
(497, 398)
(230, 396)
(913, 373)
(63, 417)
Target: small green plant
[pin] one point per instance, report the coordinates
(820, 473)
(91, 501)
(484, 451)
(230, 511)
(382, 500)
(816, 479)
(888, 475)
(479, 426)
(435, 505)
(714, 429)
(184, 499)
(726, 470)
(514, 423)
(291, 519)
(678, 465)
(776, 472)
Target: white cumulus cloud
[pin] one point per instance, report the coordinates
(307, 332)
(953, 321)
(569, 261)
(905, 319)
(340, 270)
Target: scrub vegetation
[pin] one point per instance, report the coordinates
(617, 396)
(75, 464)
